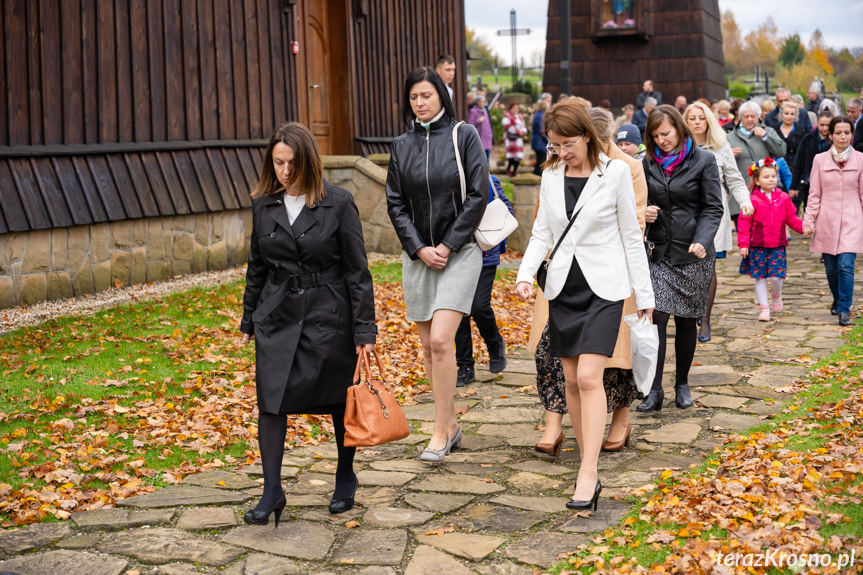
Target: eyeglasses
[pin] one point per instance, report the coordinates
(567, 147)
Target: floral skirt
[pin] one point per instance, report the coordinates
(619, 384)
(765, 263)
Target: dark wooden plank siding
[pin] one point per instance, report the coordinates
(238, 67)
(89, 66)
(172, 181)
(102, 75)
(15, 20)
(194, 128)
(72, 190)
(277, 66)
(175, 90)
(90, 189)
(13, 209)
(51, 70)
(682, 54)
(29, 194)
(156, 179)
(125, 117)
(4, 134)
(238, 177)
(124, 186)
(267, 117)
(223, 75)
(206, 180)
(72, 85)
(156, 35)
(389, 42)
(207, 59)
(104, 183)
(249, 171)
(34, 57)
(107, 72)
(253, 69)
(141, 71)
(223, 181)
(52, 193)
(141, 185)
(190, 181)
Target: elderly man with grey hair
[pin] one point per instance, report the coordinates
(751, 141)
(639, 118)
(774, 117)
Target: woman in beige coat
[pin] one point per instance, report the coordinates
(618, 381)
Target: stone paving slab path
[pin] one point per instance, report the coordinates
(494, 507)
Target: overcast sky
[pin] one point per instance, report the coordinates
(839, 20)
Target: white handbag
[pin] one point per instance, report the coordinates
(497, 223)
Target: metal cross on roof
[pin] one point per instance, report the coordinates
(514, 32)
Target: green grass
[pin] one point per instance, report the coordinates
(173, 350)
(383, 272)
(827, 387)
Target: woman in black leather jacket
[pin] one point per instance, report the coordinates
(441, 262)
(683, 214)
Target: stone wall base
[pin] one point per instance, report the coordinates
(65, 262)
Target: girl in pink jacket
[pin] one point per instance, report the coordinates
(761, 236)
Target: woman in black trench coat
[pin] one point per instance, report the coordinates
(309, 306)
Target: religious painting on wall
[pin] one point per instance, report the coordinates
(617, 14)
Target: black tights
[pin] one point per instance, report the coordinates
(684, 347)
(272, 430)
(705, 321)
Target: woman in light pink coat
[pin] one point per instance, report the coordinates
(834, 213)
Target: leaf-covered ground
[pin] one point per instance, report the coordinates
(788, 496)
(103, 407)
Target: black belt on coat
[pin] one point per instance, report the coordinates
(297, 282)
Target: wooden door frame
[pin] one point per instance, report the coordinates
(340, 34)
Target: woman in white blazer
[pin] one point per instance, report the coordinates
(599, 263)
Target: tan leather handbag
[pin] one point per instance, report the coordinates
(372, 414)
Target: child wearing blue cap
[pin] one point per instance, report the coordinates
(629, 141)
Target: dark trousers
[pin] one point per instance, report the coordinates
(840, 278)
(541, 156)
(483, 315)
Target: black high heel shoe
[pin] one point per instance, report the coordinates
(653, 401)
(346, 504)
(586, 505)
(254, 517)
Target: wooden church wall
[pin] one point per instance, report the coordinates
(676, 43)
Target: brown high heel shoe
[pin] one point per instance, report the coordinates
(618, 445)
(552, 449)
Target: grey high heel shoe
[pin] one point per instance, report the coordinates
(437, 455)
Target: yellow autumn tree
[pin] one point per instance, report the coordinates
(761, 47)
(816, 64)
(819, 50)
(732, 44)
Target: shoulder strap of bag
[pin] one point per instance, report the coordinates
(569, 225)
(458, 161)
(493, 187)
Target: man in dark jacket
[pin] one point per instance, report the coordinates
(639, 118)
(481, 310)
(813, 143)
(773, 119)
(647, 92)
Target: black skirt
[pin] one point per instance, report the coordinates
(581, 322)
